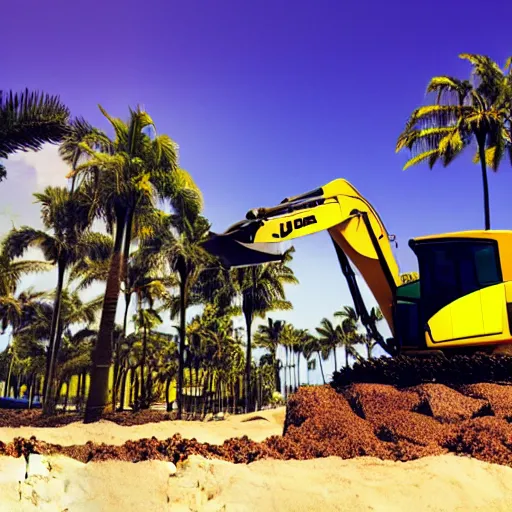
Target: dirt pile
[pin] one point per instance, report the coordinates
(362, 419)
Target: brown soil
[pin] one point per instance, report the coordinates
(34, 418)
(363, 419)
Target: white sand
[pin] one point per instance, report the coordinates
(214, 432)
(446, 483)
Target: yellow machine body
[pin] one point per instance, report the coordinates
(464, 296)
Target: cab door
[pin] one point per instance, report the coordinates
(463, 295)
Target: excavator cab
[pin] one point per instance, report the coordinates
(463, 297)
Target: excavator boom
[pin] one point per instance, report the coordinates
(354, 226)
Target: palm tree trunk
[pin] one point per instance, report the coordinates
(66, 398)
(81, 390)
(9, 375)
(167, 400)
(346, 356)
(480, 137)
(181, 355)
(285, 367)
(149, 387)
(248, 357)
(335, 359)
(48, 389)
(321, 367)
(205, 393)
(122, 397)
(298, 369)
(31, 390)
(127, 299)
(136, 386)
(76, 156)
(291, 373)
(78, 386)
(143, 388)
(102, 355)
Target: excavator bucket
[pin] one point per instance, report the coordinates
(233, 253)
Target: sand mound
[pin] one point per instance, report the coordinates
(445, 483)
(104, 431)
(391, 436)
(362, 420)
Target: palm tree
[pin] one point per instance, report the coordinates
(318, 345)
(71, 149)
(66, 217)
(366, 339)
(301, 339)
(146, 319)
(128, 177)
(262, 290)
(28, 120)
(144, 279)
(19, 313)
(329, 337)
(348, 334)
(11, 273)
(463, 113)
(269, 337)
(178, 246)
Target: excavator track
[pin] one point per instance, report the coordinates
(411, 370)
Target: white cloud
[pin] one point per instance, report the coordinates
(48, 167)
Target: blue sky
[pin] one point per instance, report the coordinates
(266, 99)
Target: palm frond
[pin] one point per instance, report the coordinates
(30, 119)
(421, 157)
(19, 240)
(448, 88)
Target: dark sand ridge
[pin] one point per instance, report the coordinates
(374, 420)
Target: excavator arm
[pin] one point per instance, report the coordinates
(355, 228)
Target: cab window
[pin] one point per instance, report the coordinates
(453, 268)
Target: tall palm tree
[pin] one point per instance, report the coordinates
(19, 313)
(128, 177)
(464, 112)
(146, 319)
(28, 120)
(269, 337)
(348, 334)
(301, 340)
(262, 290)
(318, 345)
(67, 218)
(11, 273)
(329, 337)
(178, 245)
(366, 339)
(71, 149)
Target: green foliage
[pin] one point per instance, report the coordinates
(28, 120)
(466, 111)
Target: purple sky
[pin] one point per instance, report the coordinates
(269, 99)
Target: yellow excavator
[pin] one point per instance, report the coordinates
(461, 304)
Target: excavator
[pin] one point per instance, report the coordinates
(461, 304)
